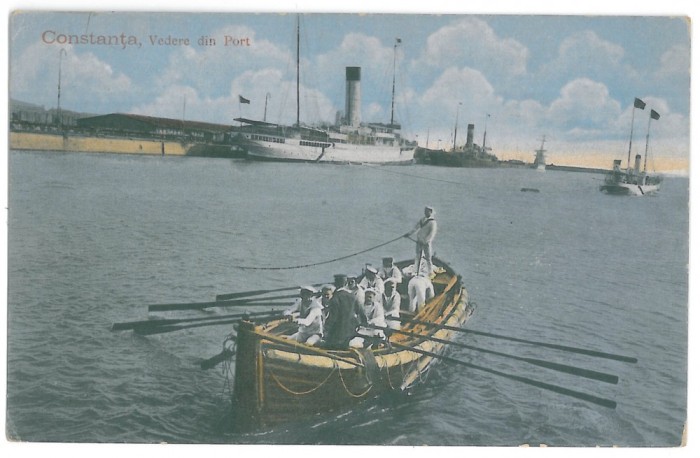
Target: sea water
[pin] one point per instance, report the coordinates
(95, 238)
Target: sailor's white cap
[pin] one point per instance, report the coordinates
(308, 288)
(371, 269)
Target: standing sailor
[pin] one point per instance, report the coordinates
(425, 231)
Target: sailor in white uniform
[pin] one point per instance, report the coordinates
(307, 312)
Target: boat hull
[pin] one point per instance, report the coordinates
(629, 189)
(291, 150)
(278, 382)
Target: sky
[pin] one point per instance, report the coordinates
(571, 79)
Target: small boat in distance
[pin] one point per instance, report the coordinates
(349, 141)
(633, 181)
(540, 158)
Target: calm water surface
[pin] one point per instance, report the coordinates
(93, 239)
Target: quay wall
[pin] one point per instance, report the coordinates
(50, 142)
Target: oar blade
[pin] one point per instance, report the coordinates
(579, 371)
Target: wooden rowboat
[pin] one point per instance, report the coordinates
(278, 380)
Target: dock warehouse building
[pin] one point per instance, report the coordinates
(139, 126)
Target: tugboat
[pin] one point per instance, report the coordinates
(634, 182)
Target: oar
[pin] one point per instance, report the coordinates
(225, 354)
(153, 323)
(171, 328)
(258, 292)
(587, 373)
(545, 386)
(206, 305)
(583, 351)
(267, 298)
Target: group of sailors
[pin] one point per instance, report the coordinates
(348, 313)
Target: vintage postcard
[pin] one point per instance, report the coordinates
(316, 228)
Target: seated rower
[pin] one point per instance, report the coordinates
(374, 313)
(307, 312)
(391, 302)
(326, 296)
(389, 270)
(372, 281)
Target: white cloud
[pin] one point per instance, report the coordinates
(471, 41)
(86, 80)
(583, 104)
(193, 66)
(674, 62)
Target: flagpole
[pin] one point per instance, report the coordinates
(646, 148)
(629, 151)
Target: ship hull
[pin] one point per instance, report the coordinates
(629, 189)
(291, 150)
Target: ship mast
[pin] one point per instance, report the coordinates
(298, 71)
(454, 145)
(483, 146)
(393, 82)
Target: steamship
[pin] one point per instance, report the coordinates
(469, 155)
(348, 142)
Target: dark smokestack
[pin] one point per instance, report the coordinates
(470, 136)
(352, 96)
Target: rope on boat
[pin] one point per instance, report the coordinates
(347, 390)
(302, 393)
(322, 262)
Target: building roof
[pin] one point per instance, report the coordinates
(155, 122)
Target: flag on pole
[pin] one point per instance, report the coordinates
(242, 99)
(655, 115)
(639, 103)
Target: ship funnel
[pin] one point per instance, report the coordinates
(352, 96)
(637, 161)
(470, 136)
